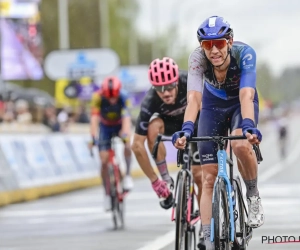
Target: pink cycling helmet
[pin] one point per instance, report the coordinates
(163, 72)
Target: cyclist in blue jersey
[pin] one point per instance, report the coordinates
(222, 75)
(110, 114)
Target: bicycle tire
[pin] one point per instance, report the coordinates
(239, 223)
(221, 226)
(180, 212)
(190, 233)
(121, 202)
(116, 207)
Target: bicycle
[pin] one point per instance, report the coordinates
(183, 209)
(229, 231)
(233, 232)
(114, 185)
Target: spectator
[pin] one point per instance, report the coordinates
(82, 116)
(23, 115)
(50, 119)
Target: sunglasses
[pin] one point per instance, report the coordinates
(164, 88)
(219, 43)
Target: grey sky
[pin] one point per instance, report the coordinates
(271, 27)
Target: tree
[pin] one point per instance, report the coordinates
(289, 84)
(266, 83)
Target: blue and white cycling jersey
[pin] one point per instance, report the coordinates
(241, 72)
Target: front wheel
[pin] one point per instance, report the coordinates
(190, 235)
(239, 215)
(190, 240)
(181, 202)
(220, 215)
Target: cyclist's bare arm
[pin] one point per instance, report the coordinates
(246, 99)
(126, 123)
(138, 147)
(194, 99)
(95, 112)
(94, 125)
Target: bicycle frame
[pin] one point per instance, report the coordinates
(222, 173)
(112, 160)
(191, 191)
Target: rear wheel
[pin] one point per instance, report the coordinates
(220, 215)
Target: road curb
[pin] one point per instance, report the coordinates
(24, 195)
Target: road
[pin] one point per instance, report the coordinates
(76, 220)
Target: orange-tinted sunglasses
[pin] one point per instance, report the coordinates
(219, 43)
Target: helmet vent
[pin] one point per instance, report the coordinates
(203, 32)
(162, 76)
(174, 72)
(221, 30)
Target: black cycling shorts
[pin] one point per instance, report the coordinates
(172, 126)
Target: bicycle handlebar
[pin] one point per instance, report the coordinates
(217, 139)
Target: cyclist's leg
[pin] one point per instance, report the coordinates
(105, 135)
(158, 125)
(248, 168)
(127, 181)
(212, 122)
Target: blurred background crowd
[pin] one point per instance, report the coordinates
(49, 68)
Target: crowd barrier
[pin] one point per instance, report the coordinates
(39, 165)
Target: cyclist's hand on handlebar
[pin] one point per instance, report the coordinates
(161, 189)
(124, 136)
(252, 133)
(92, 142)
(253, 136)
(179, 139)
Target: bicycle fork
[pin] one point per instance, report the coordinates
(222, 175)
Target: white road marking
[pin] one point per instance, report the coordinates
(273, 170)
(160, 242)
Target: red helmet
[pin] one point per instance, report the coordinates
(111, 87)
(163, 72)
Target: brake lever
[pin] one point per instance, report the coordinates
(258, 153)
(155, 147)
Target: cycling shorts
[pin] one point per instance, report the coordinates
(171, 126)
(216, 117)
(106, 134)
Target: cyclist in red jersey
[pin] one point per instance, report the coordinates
(110, 116)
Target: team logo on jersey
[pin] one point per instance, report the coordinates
(112, 115)
(246, 60)
(144, 125)
(146, 111)
(177, 111)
